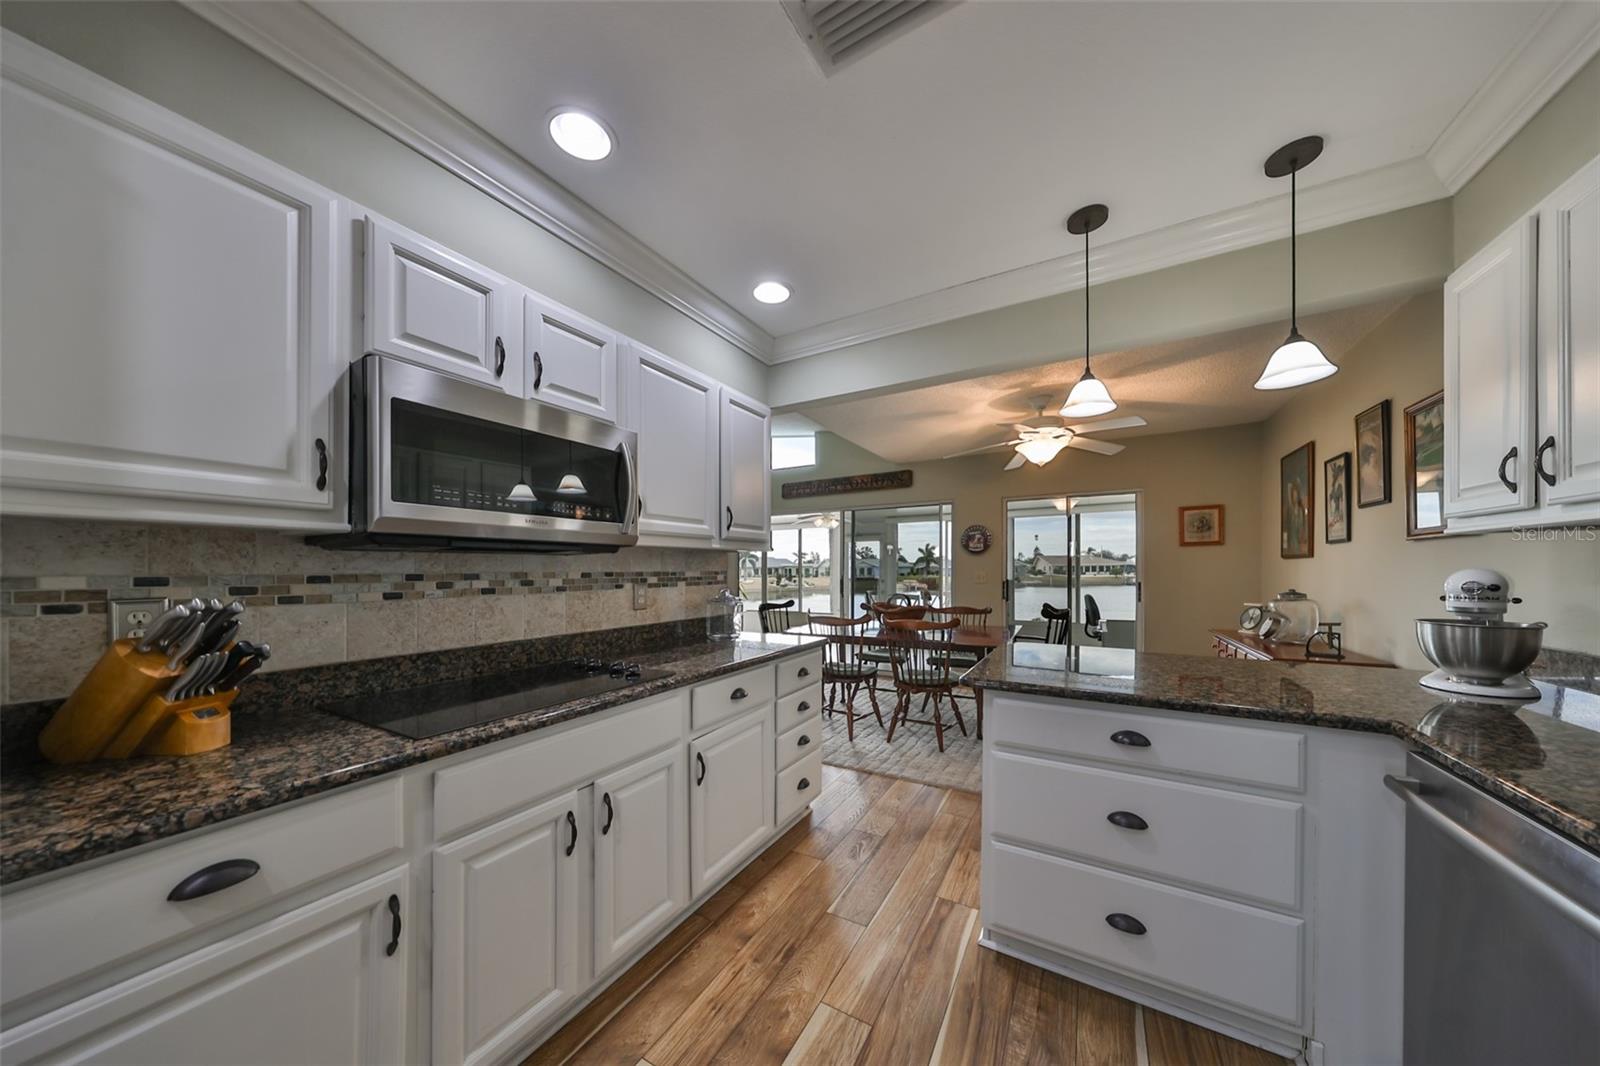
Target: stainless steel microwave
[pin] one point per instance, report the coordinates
(441, 464)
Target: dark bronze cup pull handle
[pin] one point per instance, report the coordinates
(1127, 820)
(805, 783)
(1130, 739)
(1126, 923)
(803, 741)
(738, 694)
(214, 878)
(804, 671)
(803, 708)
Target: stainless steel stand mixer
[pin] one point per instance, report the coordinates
(1477, 652)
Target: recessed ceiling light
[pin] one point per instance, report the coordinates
(771, 292)
(580, 134)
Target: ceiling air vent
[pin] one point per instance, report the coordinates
(839, 32)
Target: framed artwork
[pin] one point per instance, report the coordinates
(1297, 503)
(1372, 456)
(1336, 499)
(1200, 525)
(1425, 467)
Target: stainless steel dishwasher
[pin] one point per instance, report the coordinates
(1502, 948)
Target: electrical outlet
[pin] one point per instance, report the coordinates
(130, 617)
(641, 596)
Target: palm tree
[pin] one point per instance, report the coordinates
(927, 559)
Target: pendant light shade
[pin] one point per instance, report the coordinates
(1039, 451)
(571, 483)
(1297, 360)
(1089, 397)
(520, 491)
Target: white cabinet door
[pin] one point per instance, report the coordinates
(168, 311)
(1569, 338)
(641, 853)
(430, 306)
(506, 923)
(1489, 383)
(746, 470)
(572, 360)
(730, 796)
(315, 985)
(679, 472)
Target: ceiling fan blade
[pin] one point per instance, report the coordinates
(984, 448)
(1016, 427)
(1128, 422)
(1089, 444)
(1016, 461)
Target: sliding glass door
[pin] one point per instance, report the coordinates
(900, 551)
(1074, 552)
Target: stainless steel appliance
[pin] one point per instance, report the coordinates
(1502, 941)
(1477, 652)
(442, 464)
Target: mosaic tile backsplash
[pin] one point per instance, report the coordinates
(315, 606)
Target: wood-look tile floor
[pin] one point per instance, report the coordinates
(853, 939)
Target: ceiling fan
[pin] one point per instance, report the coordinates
(1041, 438)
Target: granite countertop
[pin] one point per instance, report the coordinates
(1541, 757)
(57, 816)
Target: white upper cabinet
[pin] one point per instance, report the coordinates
(1569, 340)
(1489, 377)
(641, 853)
(168, 314)
(571, 360)
(430, 306)
(679, 471)
(506, 921)
(746, 453)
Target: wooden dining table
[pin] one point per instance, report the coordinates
(980, 639)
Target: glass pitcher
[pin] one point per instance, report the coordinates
(724, 616)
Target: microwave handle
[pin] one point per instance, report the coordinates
(631, 512)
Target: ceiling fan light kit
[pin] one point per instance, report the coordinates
(1040, 450)
(1089, 397)
(1297, 360)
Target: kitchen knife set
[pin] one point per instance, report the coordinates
(166, 693)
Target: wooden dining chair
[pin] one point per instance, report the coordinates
(963, 616)
(920, 661)
(1058, 624)
(776, 617)
(845, 668)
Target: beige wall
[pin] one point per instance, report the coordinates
(175, 58)
(1560, 138)
(1186, 590)
(1379, 582)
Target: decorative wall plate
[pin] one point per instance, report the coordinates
(976, 539)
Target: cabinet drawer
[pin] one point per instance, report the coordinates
(799, 741)
(799, 707)
(92, 919)
(1198, 744)
(472, 792)
(717, 701)
(799, 785)
(1227, 841)
(1249, 959)
(798, 671)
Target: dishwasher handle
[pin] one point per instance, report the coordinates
(1413, 792)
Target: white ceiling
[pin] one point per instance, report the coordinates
(953, 152)
(1191, 384)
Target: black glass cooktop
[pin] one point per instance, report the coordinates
(428, 710)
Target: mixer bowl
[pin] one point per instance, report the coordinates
(1484, 652)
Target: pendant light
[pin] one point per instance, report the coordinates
(1089, 396)
(1297, 360)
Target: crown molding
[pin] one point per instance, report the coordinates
(316, 51)
(1333, 203)
(1564, 38)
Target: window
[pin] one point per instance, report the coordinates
(798, 566)
(791, 452)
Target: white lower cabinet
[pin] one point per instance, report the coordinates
(641, 853)
(730, 804)
(316, 985)
(506, 924)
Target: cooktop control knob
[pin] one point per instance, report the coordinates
(618, 669)
(632, 672)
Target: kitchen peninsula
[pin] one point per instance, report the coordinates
(1214, 837)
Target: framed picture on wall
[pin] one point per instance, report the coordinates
(1297, 503)
(1200, 525)
(1336, 499)
(1425, 467)
(1372, 455)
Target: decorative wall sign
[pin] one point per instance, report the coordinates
(1200, 525)
(828, 486)
(976, 539)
